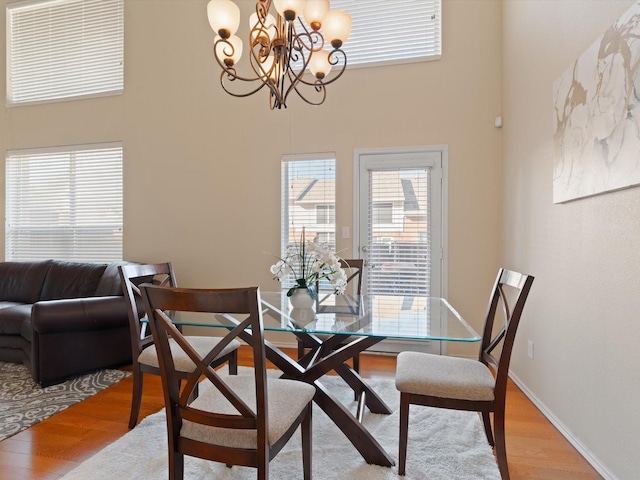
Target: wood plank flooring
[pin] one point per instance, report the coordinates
(55, 446)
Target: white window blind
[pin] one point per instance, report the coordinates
(308, 187)
(392, 30)
(399, 233)
(59, 49)
(64, 204)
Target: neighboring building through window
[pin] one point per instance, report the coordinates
(64, 203)
(60, 49)
(392, 31)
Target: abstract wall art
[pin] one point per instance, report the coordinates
(597, 115)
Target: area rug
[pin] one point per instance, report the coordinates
(443, 445)
(24, 403)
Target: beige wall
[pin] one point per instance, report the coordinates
(202, 182)
(583, 311)
(202, 169)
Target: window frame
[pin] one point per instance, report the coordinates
(286, 162)
(76, 220)
(98, 78)
(431, 35)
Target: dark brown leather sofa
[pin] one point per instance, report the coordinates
(62, 318)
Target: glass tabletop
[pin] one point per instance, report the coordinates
(399, 317)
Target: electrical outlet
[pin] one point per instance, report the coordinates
(530, 349)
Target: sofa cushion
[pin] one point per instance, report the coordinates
(110, 284)
(11, 318)
(22, 281)
(71, 280)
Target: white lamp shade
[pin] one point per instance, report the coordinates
(336, 26)
(319, 64)
(296, 6)
(315, 10)
(223, 15)
(269, 27)
(229, 53)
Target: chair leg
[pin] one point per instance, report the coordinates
(500, 444)
(233, 363)
(263, 468)
(404, 432)
(176, 465)
(307, 446)
(136, 396)
(486, 419)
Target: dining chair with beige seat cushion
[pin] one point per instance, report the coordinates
(144, 355)
(464, 383)
(244, 419)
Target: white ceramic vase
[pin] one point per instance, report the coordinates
(301, 298)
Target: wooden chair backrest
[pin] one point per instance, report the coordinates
(354, 270)
(508, 297)
(131, 276)
(242, 303)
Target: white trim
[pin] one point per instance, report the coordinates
(564, 430)
(289, 157)
(393, 63)
(111, 93)
(64, 148)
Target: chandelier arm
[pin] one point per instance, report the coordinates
(320, 89)
(231, 78)
(230, 74)
(315, 38)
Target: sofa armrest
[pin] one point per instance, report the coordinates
(79, 314)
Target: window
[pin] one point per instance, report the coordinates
(58, 49)
(326, 214)
(64, 204)
(308, 198)
(392, 31)
(381, 213)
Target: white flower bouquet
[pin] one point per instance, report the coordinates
(310, 262)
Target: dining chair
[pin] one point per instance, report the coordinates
(354, 271)
(242, 419)
(467, 384)
(144, 355)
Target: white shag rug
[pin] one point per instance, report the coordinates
(443, 445)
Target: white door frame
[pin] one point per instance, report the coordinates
(443, 150)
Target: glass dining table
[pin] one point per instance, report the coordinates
(341, 326)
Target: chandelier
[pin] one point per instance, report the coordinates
(285, 54)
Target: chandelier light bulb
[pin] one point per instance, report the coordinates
(319, 64)
(230, 54)
(336, 27)
(289, 9)
(314, 12)
(224, 17)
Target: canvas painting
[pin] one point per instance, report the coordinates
(597, 115)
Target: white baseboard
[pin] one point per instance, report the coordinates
(566, 433)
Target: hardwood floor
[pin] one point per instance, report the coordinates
(55, 446)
